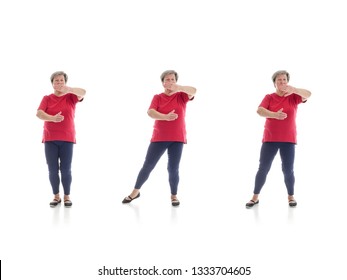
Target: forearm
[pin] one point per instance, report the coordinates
(265, 113)
(80, 92)
(156, 115)
(44, 116)
(304, 93)
(187, 89)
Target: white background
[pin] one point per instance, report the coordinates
(228, 50)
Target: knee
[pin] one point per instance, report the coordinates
(288, 172)
(65, 171)
(53, 171)
(264, 169)
(172, 170)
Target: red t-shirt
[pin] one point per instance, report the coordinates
(60, 131)
(170, 130)
(281, 130)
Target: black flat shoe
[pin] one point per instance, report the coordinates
(175, 202)
(129, 199)
(292, 203)
(251, 203)
(67, 203)
(55, 202)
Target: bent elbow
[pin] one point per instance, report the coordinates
(149, 113)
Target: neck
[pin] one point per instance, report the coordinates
(58, 93)
(168, 92)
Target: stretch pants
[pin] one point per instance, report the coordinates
(154, 153)
(59, 157)
(267, 154)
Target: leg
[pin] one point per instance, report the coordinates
(287, 152)
(66, 153)
(267, 155)
(174, 155)
(268, 152)
(154, 153)
(52, 159)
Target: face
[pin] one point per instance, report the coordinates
(58, 82)
(281, 81)
(169, 80)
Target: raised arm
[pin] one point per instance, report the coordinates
(304, 93)
(79, 92)
(191, 91)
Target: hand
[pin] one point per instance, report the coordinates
(280, 115)
(58, 117)
(171, 116)
(173, 87)
(63, 89)
(288, 90)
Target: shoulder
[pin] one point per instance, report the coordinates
(158, 96)
(297, 98)
(269, 96)
(48, 97)
(73, 97)
(185, 96)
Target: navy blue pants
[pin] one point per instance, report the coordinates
(154, 153)
(267, 154)
(59, 158)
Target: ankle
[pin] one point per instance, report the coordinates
(134, 193)
(255, 197)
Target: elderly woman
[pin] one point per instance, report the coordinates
(169, 133)
(279, 109)
(57, 110)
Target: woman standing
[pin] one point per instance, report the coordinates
(169, 134)
(57, 110)
(279, 109)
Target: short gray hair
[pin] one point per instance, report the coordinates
(280, 72)
(168, 72)
(59, 73)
